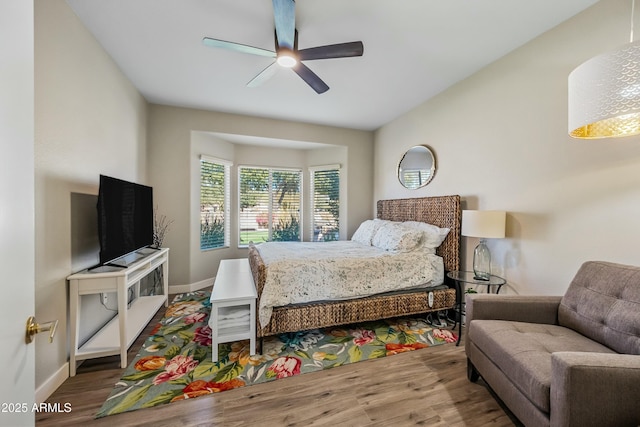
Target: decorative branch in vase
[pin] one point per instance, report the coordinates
(160, 227)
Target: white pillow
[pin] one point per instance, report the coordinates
(432, 236)
(364, 233)
(393, 236)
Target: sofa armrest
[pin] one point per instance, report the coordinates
(595, 389)
(516, 308)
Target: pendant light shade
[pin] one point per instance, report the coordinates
(604, 95)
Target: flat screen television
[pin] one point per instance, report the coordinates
(125, 218)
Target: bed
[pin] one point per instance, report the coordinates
(443, 211)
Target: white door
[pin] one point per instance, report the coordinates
(17, 389)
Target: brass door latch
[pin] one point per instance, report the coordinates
(33, 328)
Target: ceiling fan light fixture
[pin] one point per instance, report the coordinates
(287, 59)
(286, 51)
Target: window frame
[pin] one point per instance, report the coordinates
(226, 164)
(271, 170)
(312, 208)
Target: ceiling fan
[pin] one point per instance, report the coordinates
(287, 54)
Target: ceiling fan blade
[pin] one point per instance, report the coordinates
(284, 13)
(341, 50)
(264, 75)
(311, 78)
(237, 47)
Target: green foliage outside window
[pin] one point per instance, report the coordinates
(326, 205)
(211, 233)
(287, 230)
(213, 200)
(270, 204)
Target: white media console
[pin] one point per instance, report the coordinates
(117, 336)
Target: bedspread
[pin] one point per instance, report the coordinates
(302, 272)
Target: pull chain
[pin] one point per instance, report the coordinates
(633, 3)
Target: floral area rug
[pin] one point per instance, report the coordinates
(175, 361)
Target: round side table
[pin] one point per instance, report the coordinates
(463, 278)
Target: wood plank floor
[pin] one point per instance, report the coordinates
(426, 387)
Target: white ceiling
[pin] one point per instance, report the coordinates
(413, 49)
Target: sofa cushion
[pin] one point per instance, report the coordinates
(523, 352)
(603, 303)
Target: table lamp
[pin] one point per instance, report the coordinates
(485, 225)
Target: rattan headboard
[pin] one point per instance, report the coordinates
(443, 211)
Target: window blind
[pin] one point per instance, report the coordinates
(270, 204)
(214, 203)
(325, 187)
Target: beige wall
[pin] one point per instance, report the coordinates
(89, 119)
(501, 142)
(173, 154)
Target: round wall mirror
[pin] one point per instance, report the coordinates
(417, 167)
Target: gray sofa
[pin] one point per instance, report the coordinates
(562, 361)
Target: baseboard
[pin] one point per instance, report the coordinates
(47, 388)
(50, 385)
(180, 289)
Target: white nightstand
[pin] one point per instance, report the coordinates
(233, 305)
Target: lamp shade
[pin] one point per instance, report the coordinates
(484, 224)
(604, 95)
